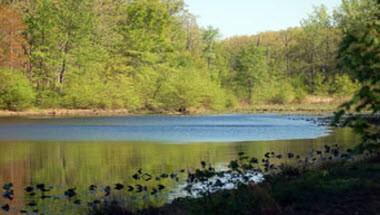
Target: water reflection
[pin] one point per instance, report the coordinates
(80, 164)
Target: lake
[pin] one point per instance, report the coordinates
(78, 152)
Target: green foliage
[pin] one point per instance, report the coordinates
(359, 53)
(274, 91)
(152, 55)
(344, 86)
(299, 89)
(83, 90)
(192, 90)
(120, 93)
(320, 85)
(285, 93)
(251, 71)
(48, 99)
(16, 92)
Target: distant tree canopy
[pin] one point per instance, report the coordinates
(12, 41)
(152, 55)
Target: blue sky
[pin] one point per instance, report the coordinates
(240, 17)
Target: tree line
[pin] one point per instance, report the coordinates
(152, 55)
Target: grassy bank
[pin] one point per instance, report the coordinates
(334, 188)
(301, 108)
(297, 108)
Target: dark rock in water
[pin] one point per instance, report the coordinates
(119, 186)
(94, 203)
(70, 193)
(161, 187)
(290, 155)
(42, 187)
(46, 197)
(7, 186)
(32, 204)
(139, 188)
(267, 155)
(136, 176)
(29, 189)
(254, 160)
(335, 152)
(92, 187)
(8, 194)
(218, 183)
(173, 175)
(32, 194)
(154, 191)
(5, 207)
(107, 191)
(77, 202)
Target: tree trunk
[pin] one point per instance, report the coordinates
(63, 68)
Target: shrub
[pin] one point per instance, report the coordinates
(321, 85)
(83, 90)
(284, 94)
(277, 91)
(263, 92)
(344, 86)
(231, 100)
(120, 93)
(48, 99)
(182, 91)
(213, 97)
(190, 90)
(16, 92)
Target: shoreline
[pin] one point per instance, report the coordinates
(297, 109)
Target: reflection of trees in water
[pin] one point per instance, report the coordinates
(16, 172)
(82, 163)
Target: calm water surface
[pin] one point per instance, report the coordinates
(77, 152)
(168, 129)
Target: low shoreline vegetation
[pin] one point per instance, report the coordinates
(312, 105)
(333, 188)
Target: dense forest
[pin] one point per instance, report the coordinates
(152, 55)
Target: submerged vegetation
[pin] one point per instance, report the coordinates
(151, 55)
